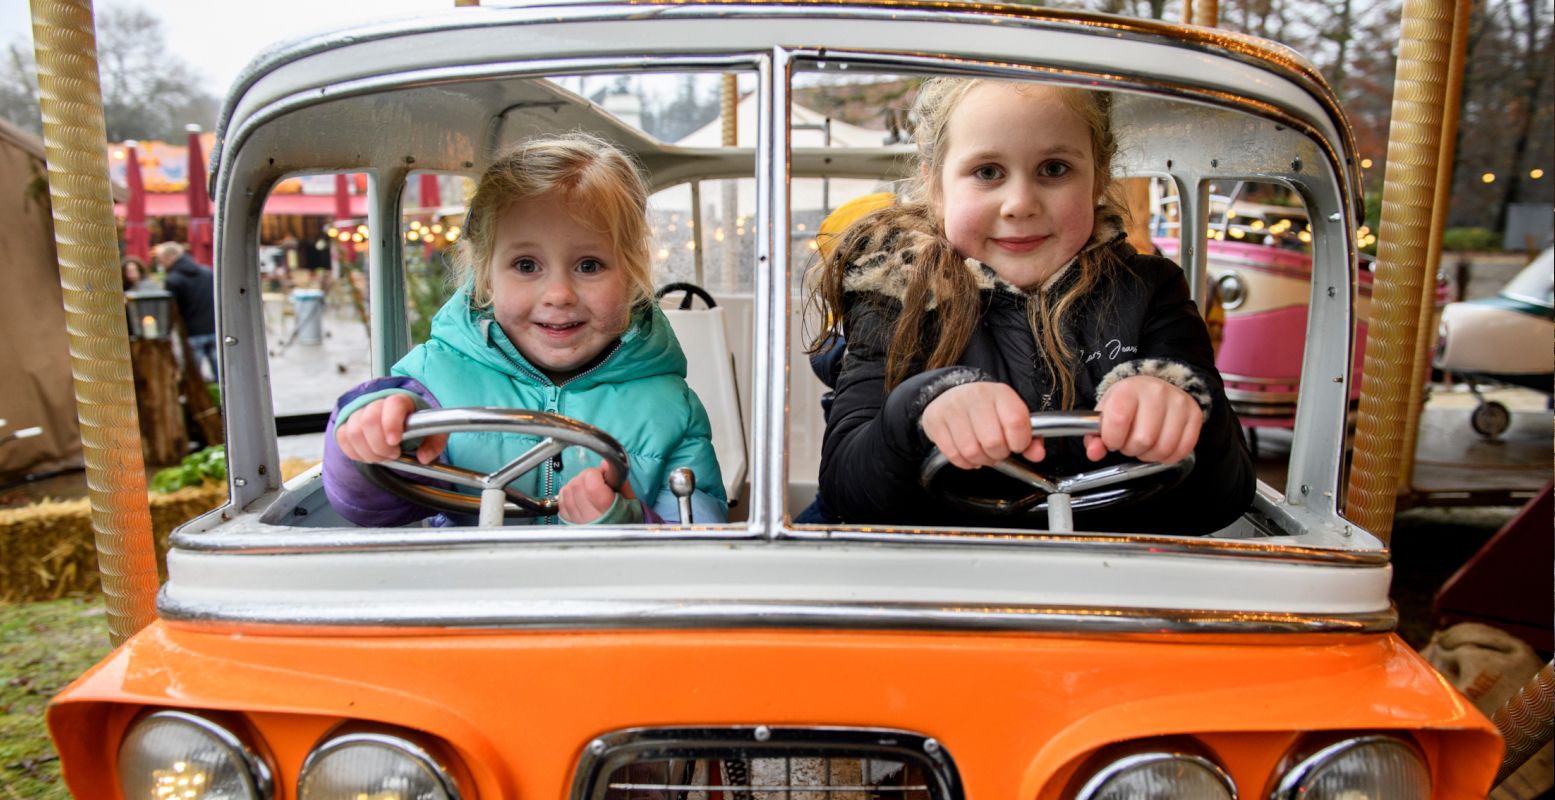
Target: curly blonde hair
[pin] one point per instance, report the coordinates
(600, 185)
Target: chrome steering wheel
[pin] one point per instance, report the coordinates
(1058, 496)
(497, 500)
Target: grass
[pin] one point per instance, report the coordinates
(43, 646)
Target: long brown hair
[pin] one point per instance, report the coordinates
(940, 298)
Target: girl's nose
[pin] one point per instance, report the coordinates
(557, 289)
(1020, 199)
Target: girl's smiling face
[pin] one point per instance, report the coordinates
(557, 286)
(1017, 189)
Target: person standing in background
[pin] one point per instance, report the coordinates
(194, 292)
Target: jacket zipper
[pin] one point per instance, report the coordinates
(552, 465)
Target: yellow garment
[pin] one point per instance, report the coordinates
(846, 214)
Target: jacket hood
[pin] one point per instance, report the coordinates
(648, 347)
(895, 243)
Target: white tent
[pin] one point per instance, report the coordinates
(809, 130)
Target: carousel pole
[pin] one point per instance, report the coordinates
(75, 138)
(1409, 189)
(1206, 13)
(1425, 337)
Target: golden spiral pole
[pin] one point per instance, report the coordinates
(1524, 720)
(1425, 337)
(77, 150)
(1206, 13)
(1407, 194)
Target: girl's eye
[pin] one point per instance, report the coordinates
(526, 265)
(589, 266)
(1053, 169)
(988, 172)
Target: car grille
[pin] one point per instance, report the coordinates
(765, 763)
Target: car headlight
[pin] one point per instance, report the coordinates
(351, 766)
(1231, 289)
(1159, 775)
(1357, 768)
(175, 755)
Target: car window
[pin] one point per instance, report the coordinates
(313, 279)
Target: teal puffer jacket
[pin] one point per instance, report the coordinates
(637, 394)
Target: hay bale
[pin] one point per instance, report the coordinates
(48, 549)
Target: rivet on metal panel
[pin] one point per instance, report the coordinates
(261, 469)
(763, 733)
(1295, 165)
(1338, 379)
(597, 746)
(1332, 292)
(1306, 489)
(1214, 162)
(1334, 217)
(931, 746)
(229, 340)
(240, 481)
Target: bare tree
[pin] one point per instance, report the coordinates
(1505, 128)
(149, 92)
(19, 88)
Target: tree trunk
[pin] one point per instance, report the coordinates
(163, 437)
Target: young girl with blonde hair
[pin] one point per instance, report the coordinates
(554, 313)
(1002, 285)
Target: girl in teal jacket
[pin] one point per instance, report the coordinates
(555, 314)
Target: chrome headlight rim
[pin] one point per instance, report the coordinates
(405, 745)
(260, 776)
(1306, 762)
(1098, 781)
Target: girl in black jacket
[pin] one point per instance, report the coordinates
(1002, 286)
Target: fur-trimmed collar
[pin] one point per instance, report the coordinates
(891, 252)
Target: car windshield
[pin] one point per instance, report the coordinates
(747, 202)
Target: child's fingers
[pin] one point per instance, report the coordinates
(1094, 449)
(1143, 432)
(959, 446)
(393, 410)
(608, 472)
(992, 439)
(1117, 419)
(1192, 424)
(585, 497)
(1014, 420)
(431, 447)
(362, 438)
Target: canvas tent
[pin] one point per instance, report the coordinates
(34, 347)
(804, 194)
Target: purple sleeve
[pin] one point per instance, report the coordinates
(350, 494)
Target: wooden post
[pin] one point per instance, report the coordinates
(163, 438)
(203, 412)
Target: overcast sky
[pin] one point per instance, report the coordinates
(219, 37)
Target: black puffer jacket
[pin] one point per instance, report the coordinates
(1139, 320)
(194, 290)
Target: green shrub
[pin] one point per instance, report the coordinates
(196, 468)
(1463, 239)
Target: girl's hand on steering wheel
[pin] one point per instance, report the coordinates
(980, 424)
(587, 496)
(373, 432)
(1148, 419)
